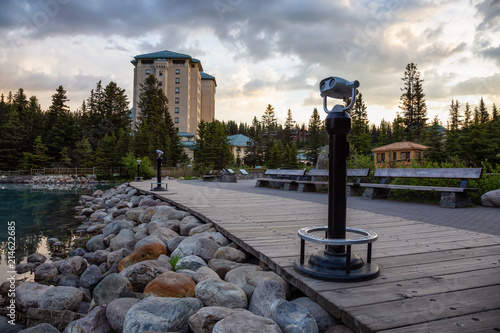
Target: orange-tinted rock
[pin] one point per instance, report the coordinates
(149, 251)
(171, 284)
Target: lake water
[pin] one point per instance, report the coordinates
(39, 212)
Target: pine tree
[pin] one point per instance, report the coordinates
(212, 148)
(156, 129)
(398, 129)
(483, 112)
(467, 116)
(383, 138)
(289, 125)
(359, 137)
(10, 137)
(269, 127)
(255, 150)
(452, 145)
(292, 161)
(60, 131)
(494, 113)
(413, 104)
(39, 158)
(433, 138)
(314, 136)
(276, 157)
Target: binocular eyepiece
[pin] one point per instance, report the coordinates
(159, 152)
(336, 87)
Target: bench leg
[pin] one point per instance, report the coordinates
(304, 187)
(354, 191)
(290, 186)
(454, 200)
(374, 193)
(261, 183)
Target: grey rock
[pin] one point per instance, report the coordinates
(57, 318)
(87, 295)
(121, 240)
(96, 243)
(229, 253)
(174, 225)
(177, 215)
(98, 193)
(254, 278)
(95, 321)
(73, 266)
(205, 273)
(491, 198)
(322, 318)
(116, 311)
(61, 298)
(133, 214)
(27, 294)
(219, 238)
(161, 314)
(36, 257)
(190, 262)
(149, 239)
(215, 292)
(199, 245)
(238, 276)
(112, 287)
(186, 228)
(266, 292)
(90, 277)
(148, 202)
(292, 317)
(161, 214)
(208, 227)
(46, 271)
(143, 272)
(246, 322)
(223, 266)
(41, 328)
(204, 320)
(114, 258)
(100, 256)
(116, 226)
(69, 281)
(96, 227)
(174, 242)
(147, 214)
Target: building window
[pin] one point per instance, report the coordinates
(177, 71)
(177, 90)
(148, 72)
(419, 155)
(161, 73)
(405, 155)
(380, 157)
(176, 120)
(177, 80)
(177, 100)
(177, 129)
(176, 109)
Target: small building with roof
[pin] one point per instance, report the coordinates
(399, 154)
(238, 144)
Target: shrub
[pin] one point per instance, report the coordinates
(130, 164)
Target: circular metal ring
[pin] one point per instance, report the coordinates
(369, 236)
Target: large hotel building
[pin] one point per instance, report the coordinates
(190, 91)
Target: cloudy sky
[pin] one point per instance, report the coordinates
(261, 51)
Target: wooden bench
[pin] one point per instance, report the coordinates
(310, 184)
(275, 177)
(451, 197)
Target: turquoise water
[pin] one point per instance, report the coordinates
(39, 212)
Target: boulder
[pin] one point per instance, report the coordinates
(190, 262)
(161, 314)
(205, 273)
(112, 287)
(36, 257)
(254, 278)
(115, 257)
(41, 328)
(95, 321)
(100, 256)
(164, 234)
(133, 214)
(292, 317)
(121, 240)
(161, 214)
(27, 294)
(77, 252)
(491, 199)
(229, 253)
(177, 215)
(215, 292)
(147, 214)
(219, 238)
(186, 228)
(171, 284)
(116, 226)
(46, 271)
(96, 243)
(174, 225)
(61, 298)
(147, 240)
(242, 321)
(204, 320)
(223, 266)
(264, 295)
(148, 251)
(174, 242)
(238, 276)
(143, 272)
(322, 318)
(91, 277)
(199, 245)
(116, 311)
(73, 266)
(202, 228)
(68, 281)
(57, 318)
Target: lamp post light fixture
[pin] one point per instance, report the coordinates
(336, 262)
(158, 187)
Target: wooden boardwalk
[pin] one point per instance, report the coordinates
(433, 278)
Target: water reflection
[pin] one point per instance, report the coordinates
(40, 211)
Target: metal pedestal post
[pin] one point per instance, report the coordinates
(158, 176)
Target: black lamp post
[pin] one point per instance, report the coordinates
(336, 262)
(158, 187)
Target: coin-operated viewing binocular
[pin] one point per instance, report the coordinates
(339, 88)
(159, 152)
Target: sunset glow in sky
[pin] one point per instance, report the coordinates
(260, 52)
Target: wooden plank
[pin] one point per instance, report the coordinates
(445, 173)
(420, 310)
(480, 322)
(350, 172)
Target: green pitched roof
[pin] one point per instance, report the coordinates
(164, 55)
(205, 76)
(238, 140)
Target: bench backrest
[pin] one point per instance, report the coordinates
(448, 173)
(350, 172)
(288, 173)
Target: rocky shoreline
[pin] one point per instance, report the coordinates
(143, 265)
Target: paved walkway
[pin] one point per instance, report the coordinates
(477, 219)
